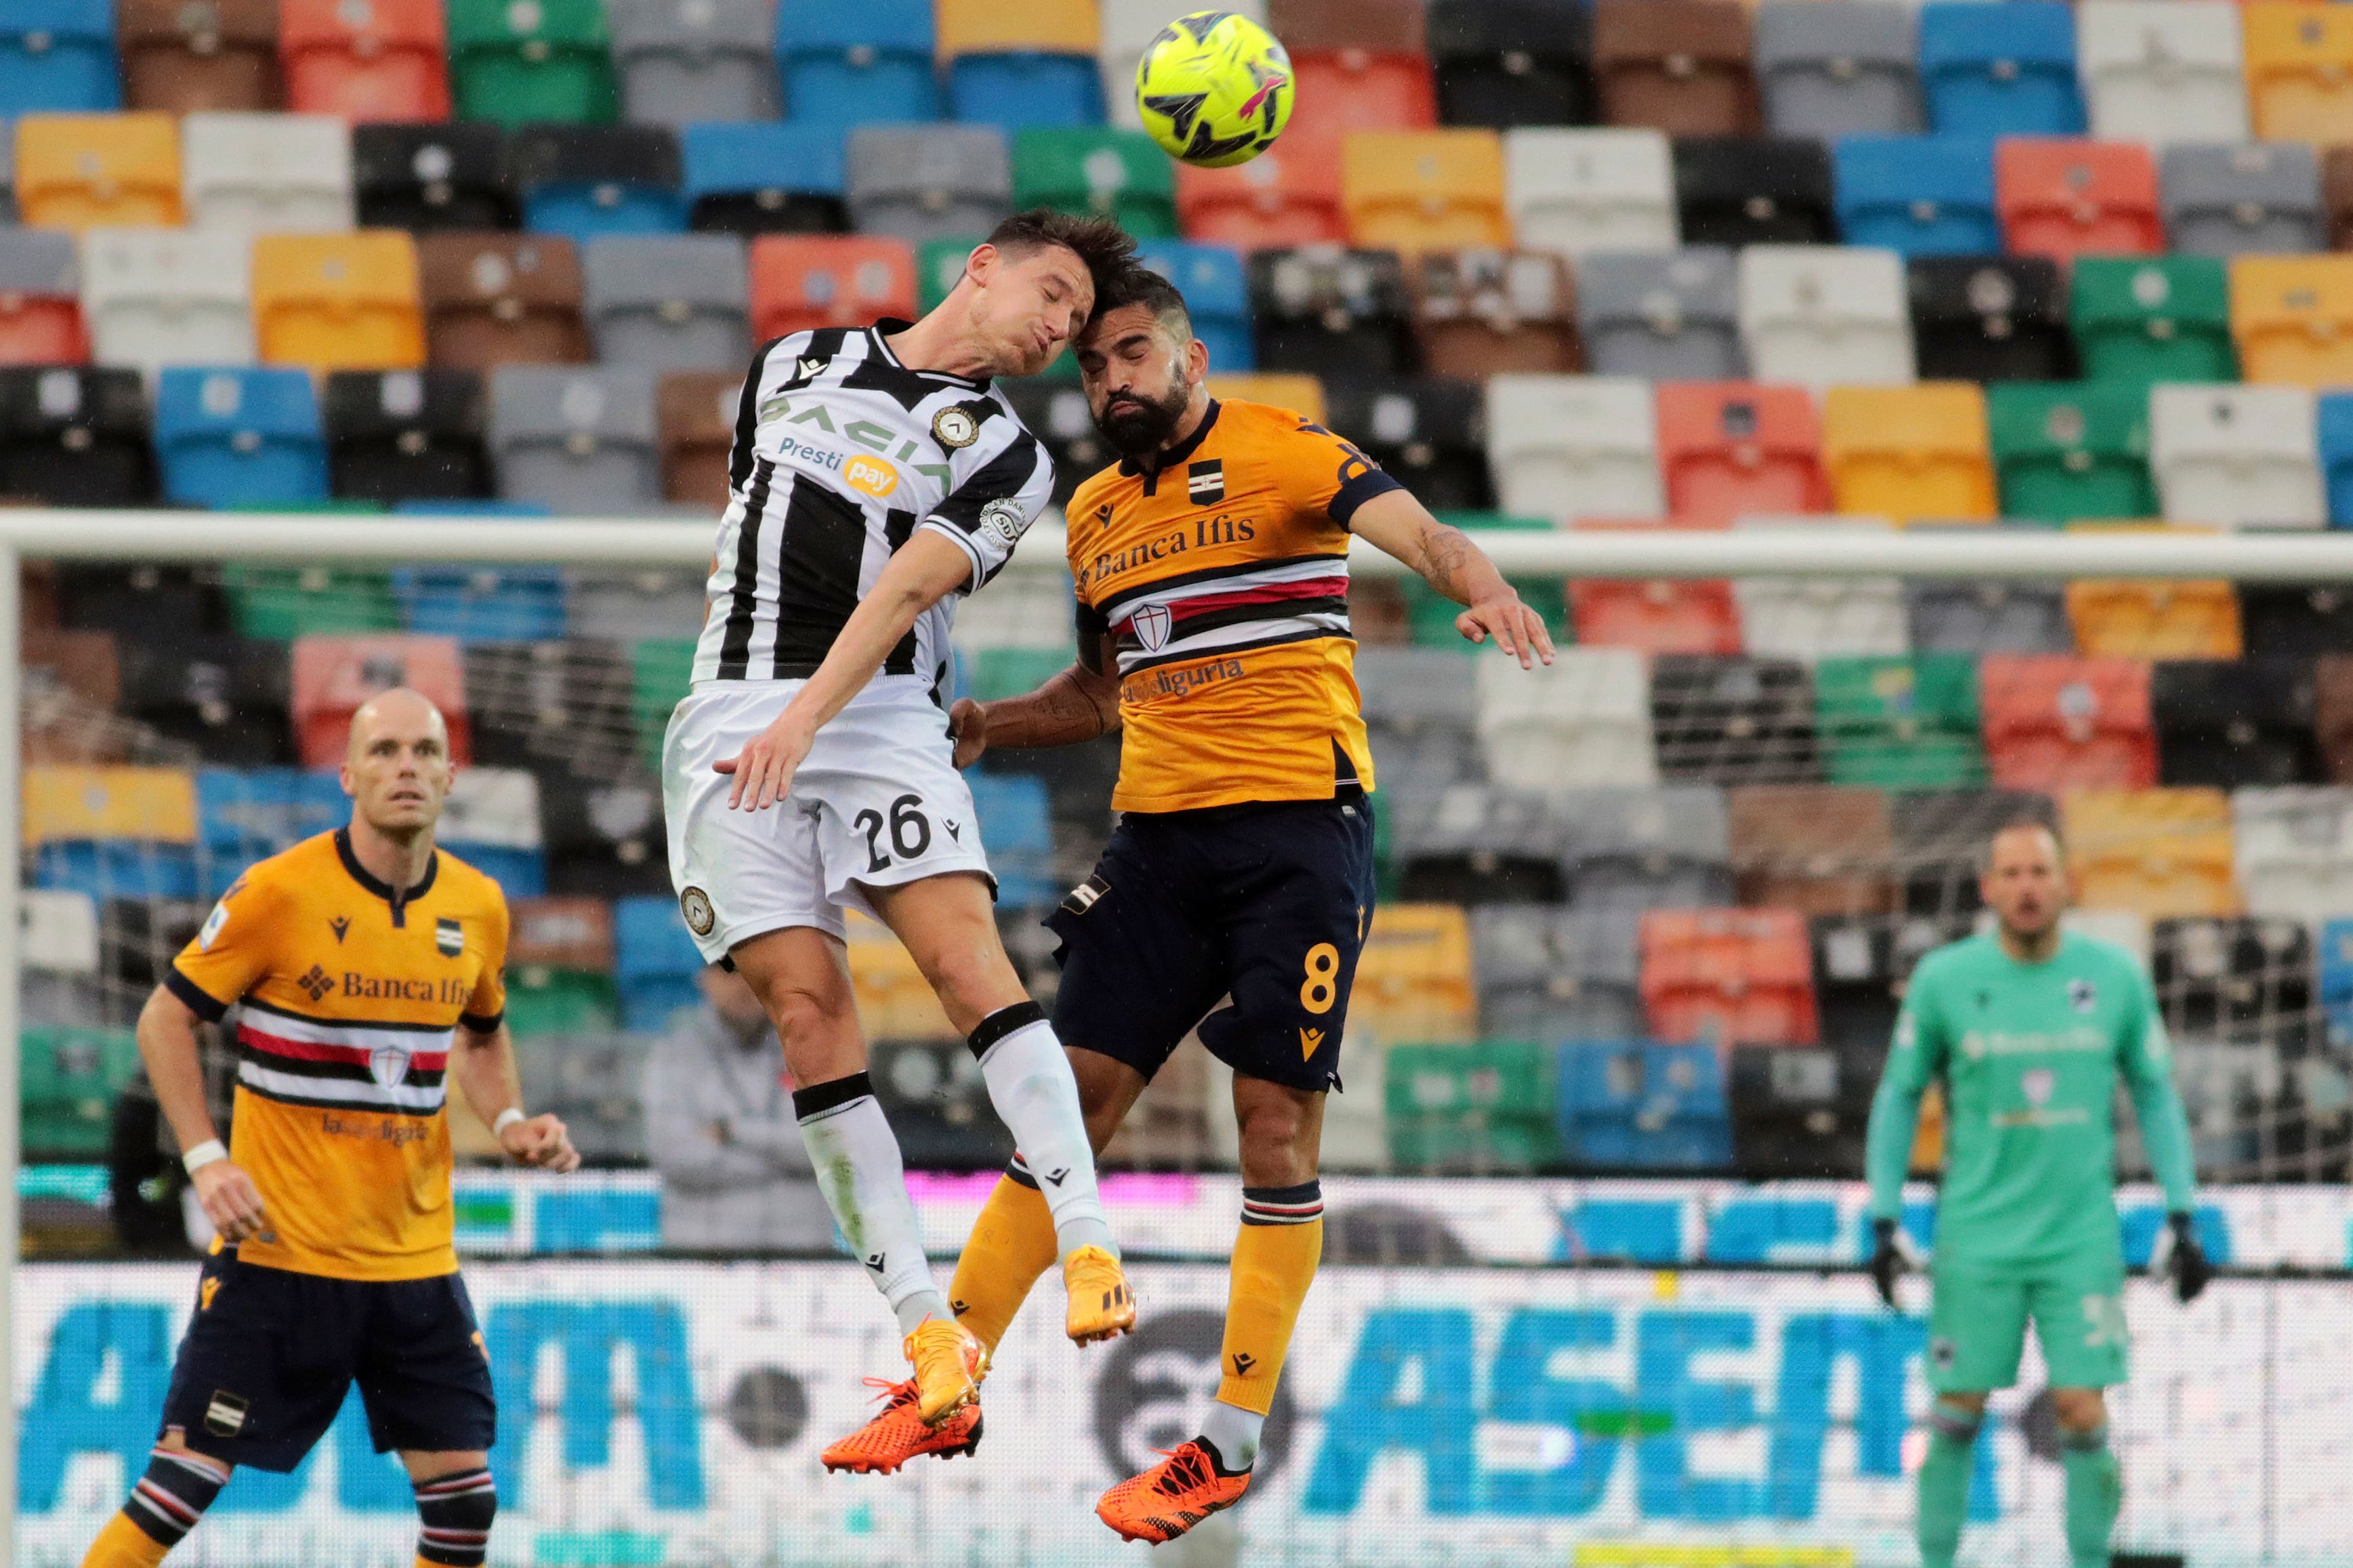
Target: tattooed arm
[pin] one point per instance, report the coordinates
(1077, 704)
(1447, 560)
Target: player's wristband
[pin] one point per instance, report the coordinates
(208, 1153)
(506, 1119)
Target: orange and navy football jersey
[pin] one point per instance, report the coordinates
(1223, 576)
(351, 1000)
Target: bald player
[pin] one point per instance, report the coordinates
(364, 965)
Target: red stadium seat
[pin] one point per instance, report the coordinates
(1656, 614)
(386, 59)
(2056, 723)
(2064, 197)
(802, 282)
(1288, 195)
(1731, 446)
(1731, 977)
(335, 675)
(1357, 65)
(41, 311)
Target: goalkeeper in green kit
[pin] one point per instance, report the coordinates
(2028, 1027)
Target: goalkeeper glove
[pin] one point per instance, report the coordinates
(2179, 1253)
(1891, 1254)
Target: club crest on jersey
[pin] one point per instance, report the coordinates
(954, 427)
(1205, 482)
(1004, 519)
(1152, 622)
(695, 905)
(2083, 996)
(449, 938)
(388, 1065)
(2037, 1084)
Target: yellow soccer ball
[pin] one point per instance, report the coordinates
(1214, 88)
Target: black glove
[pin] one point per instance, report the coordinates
(1886, 1258)
(2186, 1262)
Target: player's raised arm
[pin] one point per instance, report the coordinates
(1395, 522)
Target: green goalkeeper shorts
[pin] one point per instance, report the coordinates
(1977, 1325)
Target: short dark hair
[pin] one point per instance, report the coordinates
(1139, 285)
(2022, 821)
(1101, 245)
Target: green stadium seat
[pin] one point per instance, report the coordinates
(1094, 172)
(938, 264)
(1015, 671)
(1474, 1108)
(518, 64)
(2064, 451)
(289, 602)
(661, 669)
(69, 1079)
(1429, 614)
(2153, 318)
(543, 999)
(1901, 723)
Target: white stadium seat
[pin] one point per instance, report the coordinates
(2232, 456)
(1569, 446)
(1575, 191)
(2294, 851)
(1825, 315)
(2162, 71)
(154, 296)
(1584, 720)
(1819, 618)
(266, 174)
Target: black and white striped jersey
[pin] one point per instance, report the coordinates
(841, 453)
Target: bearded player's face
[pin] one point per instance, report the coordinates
(397, 770)
(1139, 375)
(2025, 880)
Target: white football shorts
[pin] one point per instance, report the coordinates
(878, 802)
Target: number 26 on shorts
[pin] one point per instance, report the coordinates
(910, 832)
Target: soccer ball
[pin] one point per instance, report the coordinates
(1214, 88)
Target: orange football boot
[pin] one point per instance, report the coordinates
(1102, 1304)
(1173, 1496)
(949, 1361)
(897, 1434)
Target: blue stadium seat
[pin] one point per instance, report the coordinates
(582, 181)
(1640, 1105)
(1921, 195)
(1023, 88)
(655, 961)
(480, 604)
(248, 815)
(748, 178)
(1217, 292)
(58, 56)
(248, 437)
(853, 65)
(2336, 456)
(2337, 981)
(2005, 70)
(1017, 828)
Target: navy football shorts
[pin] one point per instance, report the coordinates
(1267, 903)
(269, 1355)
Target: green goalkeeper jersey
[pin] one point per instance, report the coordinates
(2028, 1055)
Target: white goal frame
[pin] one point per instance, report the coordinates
(341, 539)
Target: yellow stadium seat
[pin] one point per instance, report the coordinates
(2300, 71)
(894, 1001)
(2292, 319)
(2127, 618)
(1412, 190)
(1413, 983)
(338, 301)
(1303, 394)
(1013, 26)
(1908, 452)
(77, 170)
(62, 804)
(2155, 852)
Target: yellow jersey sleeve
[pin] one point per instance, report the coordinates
(231, 952)
(487, 1008)
(1324, 476)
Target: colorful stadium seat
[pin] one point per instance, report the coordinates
(1484, 1109)
(547, 62)
(266, 174)
(846, 66)
(1581, 191)
(2297, 65)
(1328, 312)
(1989, 318)
(1636, 1105)
(1822, 315)
(335, 675)
(1852, 69)
(2157, 852)
(582, 181)
(1728, 977)
(1022, 62)
(2064, 198)
(1920, 195)
(1821, 849)
(695, 412)
(1479, 313)
(1278, 199)
(1906, 452)
(2160, 72)
(1901, 723)
(2060, 723)
(1584, 720)
(681, 61)
(71, 1079)
(491, 820)
(560, 967)
(2249, 198)
(1754, 190)
(1477, 844)
(1724, 719)
(1356, 64)
(671, 302)
(1216, 296)
(575, 439)
(1424, 431)
(1663, 317)
(1093, 171)
(1656, 615)
(40, 299)
(2232, 454)
(2292, 850)
(2160, 319)
(1727, 447)
(655, 961)
(1303, 394)
(2335, 443)
(385, 60)
(2006, 70)
(1413, 981)
(919, 183)
(2290, 316)
(429, 177)
(804, 281)
(1515, 64)
(74, 171)
(2222, 723)
(338, 301)
(1681, 67)
(406, 435)
(112, 832)
(1412, 191)
(763, 177)
(186, 59)
(497, 298)
(2066, 450)
(56, 57)
(1564, 447)
(2124, 619)
(232, 437)
(75, 436)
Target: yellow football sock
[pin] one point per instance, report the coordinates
(123, 1544)
(1274, 1262)
(1012, 1243)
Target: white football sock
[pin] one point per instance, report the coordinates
(1030, 1085)
(865, 1184)
(1233, 1432)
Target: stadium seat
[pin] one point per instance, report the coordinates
(426, 178)
(168, 296)
(247, 814)
(2224, 723)
(2236, 455)
(59, 56)
(575, 439)
(2062, 724)
(1322, 311)
(1810, 619)
(2337, 194)
(1852, 69)
(2066, 450)
(2161, 72)
(1056, 413)
(238, 438)
(1987, 618)
(557, 703)
(1303, 394)
(1630, 1105)
(1919, 195)
(1419, 707)
(2290, 316)
(654, 962)
(1556, 974)
(1899, 723)
(70, 1079)
(1564, 446)
(490, 821)
(406, 435)
(605, 836)
(335, 675)
(222, 697)
(188, 60)
(2294, 620)
(1800, 1111)
(2157, 852)
(919, 183)
(1412, 191)
(1425, 432)
(1356, 65)
(1094, 172)
(1626, 850)
(1020, 62)
(266, 174)
(681, 61)
(1906, 452)
(2064, 197)
(2126, 618)
(1940, 839)
(76, 171)
(386, 60)
(1821, 849)
(2234, 983)
(338, 301)
(582, 181)
(1475, 844)
(1278, 199)
(1989, 318)
(547, 62)
(1579, 191)
(2253, 198)
(1824, 316)
(804, 281)
(1216, 296)
(1482, 1108)
(497, 298)
(1584, 720)
(1754, 190)
(40, 299)
(560, 968)
(764, 177)
(1663, 317)
(1479, 313)
(665, 302)
(2296, 65)
(2332, 679)
(1727, 447)
(2294, 850)
(1414, 977)
(1681, 66)
(1728, 977)
(1656, 615)
(695, 412)
(2334, 436)
(847, 66)
(111, 832)
(2160, 319)
(1526, 62)
(2000, 71)
(74, 437)
(1727, 719)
